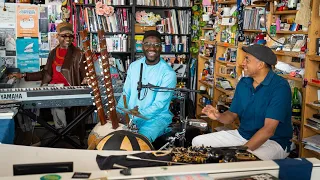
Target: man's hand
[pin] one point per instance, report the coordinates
(211, 112)
(85, 81)
(16, 75)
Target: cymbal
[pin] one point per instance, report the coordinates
(133, 112)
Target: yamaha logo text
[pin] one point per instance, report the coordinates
(10, 96)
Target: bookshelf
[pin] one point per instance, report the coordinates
(125, 24)
(223, 64)
(311, 89)
(294, 59)
(311, 64)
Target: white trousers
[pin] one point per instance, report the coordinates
(59, 117)
(267, 151)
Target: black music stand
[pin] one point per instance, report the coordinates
(64, 133)
(182, 97)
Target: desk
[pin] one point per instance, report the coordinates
(6, 131)
(84, 161)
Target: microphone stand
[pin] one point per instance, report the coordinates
(183, 92)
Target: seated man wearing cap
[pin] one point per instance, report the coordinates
(262, 102)
(153, 104)
(65, 66)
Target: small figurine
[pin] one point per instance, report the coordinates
(207, 66)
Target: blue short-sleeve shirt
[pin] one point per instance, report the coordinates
(270, 99)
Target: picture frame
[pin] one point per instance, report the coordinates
(160, 28)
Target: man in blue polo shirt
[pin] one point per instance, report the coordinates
(262, 102)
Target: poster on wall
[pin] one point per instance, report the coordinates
(54, 17)
(43, 21)
(27, 21)
(8, 16)
(44, 45)
(7, 39)
(53, 41)
(28, 54)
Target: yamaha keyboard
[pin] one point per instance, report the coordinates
(48, 97)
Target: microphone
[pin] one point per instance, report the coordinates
(139, 87)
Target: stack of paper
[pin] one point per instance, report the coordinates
(7, 113)
(312, 143)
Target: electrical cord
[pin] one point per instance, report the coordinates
(265, 24)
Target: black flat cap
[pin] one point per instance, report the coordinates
(152, 33)
(261, 52)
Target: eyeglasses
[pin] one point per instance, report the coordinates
(148, 45)
(71, 36)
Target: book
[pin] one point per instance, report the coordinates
(202, 176)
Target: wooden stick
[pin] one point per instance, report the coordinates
(126, 106)
(152, 160)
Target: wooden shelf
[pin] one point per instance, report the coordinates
(227, 2)
(254, 6)
(204, 57)
(312, 129)
(228, 76)
(311, 105)
(228, 45)
(285, 12)
(207, 96)
(314, 57)
(227, 63)
(291, 32)
(315, 154)
(208, 28)
(288, 53)
(314, 84)
(252, 30)
(210, 42)
(206, 83)
(310, 91)
(224, 91)
(290, 77)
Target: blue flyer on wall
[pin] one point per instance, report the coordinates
(28, 54)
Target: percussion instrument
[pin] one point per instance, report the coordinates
(179, 131)
(101, 131)
(201, 155)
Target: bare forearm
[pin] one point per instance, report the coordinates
(258, 139)
(227, 117)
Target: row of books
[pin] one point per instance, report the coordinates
(118, 22)
(176, 22)
(167, 3)
(251, 18)
(115, 43)
(164, 3)
(107, 2)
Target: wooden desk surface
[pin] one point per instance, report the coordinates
(84, 161)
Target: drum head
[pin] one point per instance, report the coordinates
(125, 140)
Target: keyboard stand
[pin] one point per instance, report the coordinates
(64, 133)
